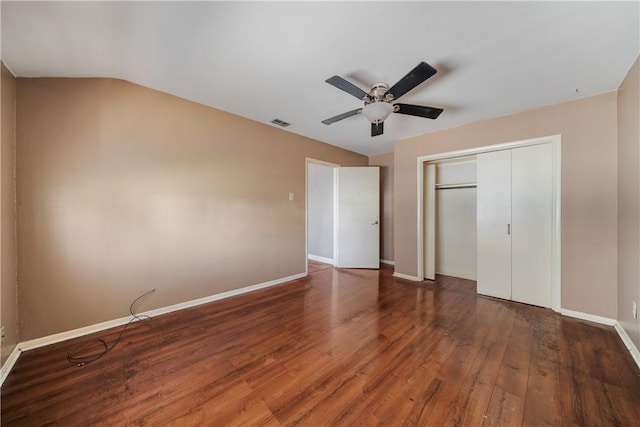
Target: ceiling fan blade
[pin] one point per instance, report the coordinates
(416, 76)
(348, 87)
(377, 129)
(418, 110)
(342, 116)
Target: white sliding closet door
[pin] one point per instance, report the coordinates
(515, 224)
(532, 222)
(493, 221)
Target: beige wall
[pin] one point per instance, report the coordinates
(589, 179)
(122, 189)
(629, 202)
(8, 291)
(385, 161)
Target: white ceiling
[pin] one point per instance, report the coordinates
(266, 60)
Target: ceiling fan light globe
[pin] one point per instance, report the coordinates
(377, 112)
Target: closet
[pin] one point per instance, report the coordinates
(515, 224)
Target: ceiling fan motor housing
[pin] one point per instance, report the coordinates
(378, 93)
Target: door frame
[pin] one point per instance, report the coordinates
(429, 262)
(556, 143)
(306, 208)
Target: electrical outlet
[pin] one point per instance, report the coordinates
(2, 335)
(634, 306)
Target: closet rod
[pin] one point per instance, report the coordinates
(454, 186)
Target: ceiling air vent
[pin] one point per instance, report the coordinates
(280, 123)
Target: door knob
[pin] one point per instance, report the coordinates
(375, 223)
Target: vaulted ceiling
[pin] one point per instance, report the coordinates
(267, 60)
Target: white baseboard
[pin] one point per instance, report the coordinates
(628, 343)
(457, 276)
(590, 317)
(320, 259)
(8, 364)
(406, 277)
(74, 333)
(386, 261)
(55, 338)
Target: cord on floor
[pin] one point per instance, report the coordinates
(73, 356)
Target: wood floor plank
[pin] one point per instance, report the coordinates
(475, 393)
(542, 403)
(342, 348)
(504, 409)
(506, 406)
(469, 333)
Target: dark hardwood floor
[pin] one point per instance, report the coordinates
(339, 348)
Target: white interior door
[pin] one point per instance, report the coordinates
(532, 219)
(494, 223)
(358, 217)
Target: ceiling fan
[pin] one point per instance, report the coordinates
(378, 103)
